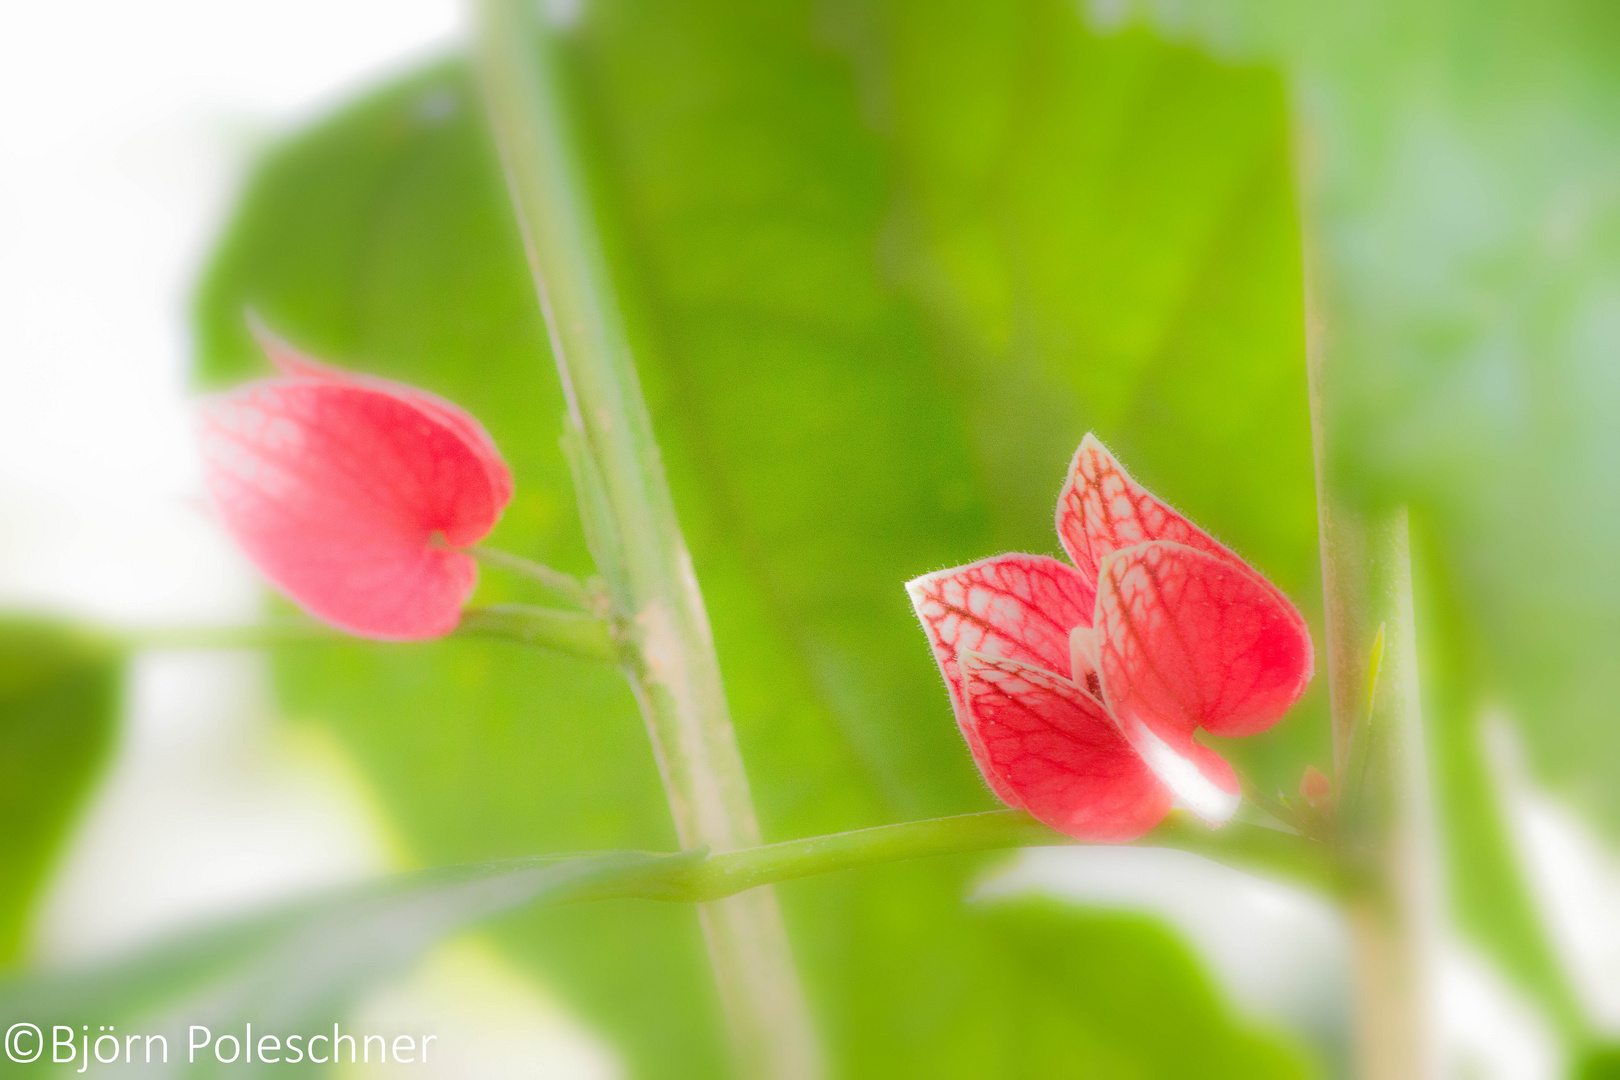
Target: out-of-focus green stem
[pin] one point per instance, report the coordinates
(692, 877)
(565, 586)
(1266, 851)
(1388, 840)
(575, 633)
(630, 521)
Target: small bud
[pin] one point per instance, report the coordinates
(1315, 788)
(351, 493)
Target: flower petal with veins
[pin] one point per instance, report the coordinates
(1057, 749)
(1021, 607)
(1188, 640)
(1101, 510)
(337, 490)
(1183, 634)
(295, 363)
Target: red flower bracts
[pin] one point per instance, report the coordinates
(1079, 688)
(349, 491)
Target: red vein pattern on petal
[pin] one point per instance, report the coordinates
(1102, 510)
(1056, 747)
(293, 362)
(336, 490)
(1021, 607)
(1188, 640)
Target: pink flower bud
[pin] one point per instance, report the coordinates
(348, 492)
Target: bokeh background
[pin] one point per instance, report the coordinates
(883, 265)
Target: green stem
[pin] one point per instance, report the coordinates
(693, 877)
(1388, 840)
(566, 586)
(575, 633)
(629, 519)
(1264, 850)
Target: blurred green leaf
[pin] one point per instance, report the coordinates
(841, 408)
(1599, 1064)
(295, 968)
(59, 696)
(1116, 1026)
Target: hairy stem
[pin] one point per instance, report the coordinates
(1386, 833)
(630, 521)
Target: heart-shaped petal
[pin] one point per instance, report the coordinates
(1057, 749)
(1186, 640)
(1191, 640)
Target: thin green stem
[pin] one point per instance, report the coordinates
(692, 877)
(565, 586)
(629, 519)
(575, 633)
(1263, 850)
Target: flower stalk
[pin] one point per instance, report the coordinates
(630, 522)
(692, 879)
(563, 586)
